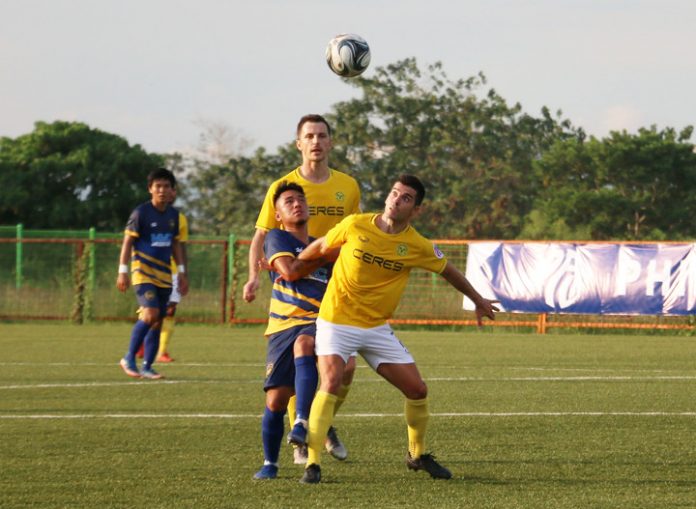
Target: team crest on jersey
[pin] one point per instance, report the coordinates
(438, 253)
(340, 196)
(149, 295)
(269, 369)
(402, 249)
(172, 224)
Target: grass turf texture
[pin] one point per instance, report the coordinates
(560, 421)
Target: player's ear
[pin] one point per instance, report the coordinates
(298, 144)
(277, 217)
(416, 211)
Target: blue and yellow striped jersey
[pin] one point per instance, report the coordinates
(292, 302)
(154, 234)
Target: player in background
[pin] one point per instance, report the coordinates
(377, 254)
(331, 196)
(174, 299)
(151, 239)
(291, 366)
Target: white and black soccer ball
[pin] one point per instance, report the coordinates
(348, 55)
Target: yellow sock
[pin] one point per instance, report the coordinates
(416, 411)
(341, 397)
(292, 405)
(166, 334)
(320, 418)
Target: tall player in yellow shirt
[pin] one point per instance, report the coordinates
(377, 253)
(331, 196)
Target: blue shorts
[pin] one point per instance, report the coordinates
(280, 358)
(152, 296)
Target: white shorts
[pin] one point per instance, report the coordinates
(377, 345)
(175, 296)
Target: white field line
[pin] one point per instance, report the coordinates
(641, 378)
(355, 415)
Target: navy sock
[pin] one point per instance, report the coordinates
(151, 347)
(137, 336)
(272, 434)
(306, 379)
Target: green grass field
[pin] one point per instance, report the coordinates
(557, 421)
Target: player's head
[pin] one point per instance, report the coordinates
(404, 199)
(414, 183)
(314, 139)
(290, 205)
(314, 118)
(161, 174)
(160, 183)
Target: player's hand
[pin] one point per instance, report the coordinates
(249, 290)
(122, 282)
(183, 283)
(487, 308)
(264, 265)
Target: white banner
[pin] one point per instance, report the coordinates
(534, 277)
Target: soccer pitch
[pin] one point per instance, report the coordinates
(522, 420)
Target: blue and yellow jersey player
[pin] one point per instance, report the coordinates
(293, 310)
(152, 238)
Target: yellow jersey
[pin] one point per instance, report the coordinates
(372, 270)
(329, 201)
(183, 237)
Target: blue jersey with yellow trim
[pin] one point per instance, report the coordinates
(292, 302)
(154, 233)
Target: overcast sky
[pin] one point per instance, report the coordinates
(152, 70)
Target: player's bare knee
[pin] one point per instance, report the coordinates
(417, 391)
(304, 345)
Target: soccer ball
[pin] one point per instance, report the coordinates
(348, 55)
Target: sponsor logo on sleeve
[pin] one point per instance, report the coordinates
(438, 253)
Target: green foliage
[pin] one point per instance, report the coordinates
(68, 175)
(628, 186)
(227, 197)
(472, 149)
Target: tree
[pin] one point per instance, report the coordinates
(68, 175)
(627, 186)
(474, 153)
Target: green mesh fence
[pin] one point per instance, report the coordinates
(72, 275)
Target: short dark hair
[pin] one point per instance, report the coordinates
(286, 186)
(161, 174)
(414, 183)
(312, 117)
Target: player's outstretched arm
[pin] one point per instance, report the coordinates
(312, 257)
(255, 254)
(484, 307)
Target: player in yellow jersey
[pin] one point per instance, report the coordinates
(377, 253)
(174, 299)
(331, 196)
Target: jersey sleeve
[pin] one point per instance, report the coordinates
(266, 220)
(183, 235)
(336, 236)
(354, 207)
(274, 246)
(133, 224)
(432, 258)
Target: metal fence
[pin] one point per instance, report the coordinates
(71, 275)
